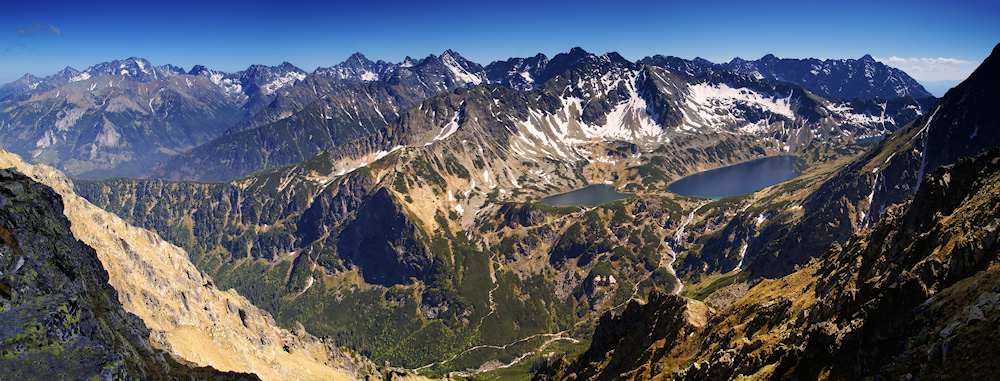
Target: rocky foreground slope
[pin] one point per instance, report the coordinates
(186, 315)
(59, 317)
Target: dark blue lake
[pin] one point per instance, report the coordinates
(590, 196)
(737, 179)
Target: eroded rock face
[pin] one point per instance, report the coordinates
(59, 317)
(332, 206)
(189, 317)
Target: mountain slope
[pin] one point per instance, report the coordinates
(862, 78)
(114, 124)
(885, 304)
(136, 68)
(188, 317)
(317, 113)
(60, 317)
(124, 117)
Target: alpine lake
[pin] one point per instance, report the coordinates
(722, 182)
(737, 179)
(592, 195)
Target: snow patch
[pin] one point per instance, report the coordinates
(722, 95)
(460, 74)
(923, 154)
(450, 128)
(80, 77)
(761, 218)
(282, 81)
(743, 253)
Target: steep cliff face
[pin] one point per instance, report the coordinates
(59, 317)
(188, 317)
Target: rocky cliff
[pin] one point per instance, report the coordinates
(59, 316)
(188, 317)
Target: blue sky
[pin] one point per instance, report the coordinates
(931, 40)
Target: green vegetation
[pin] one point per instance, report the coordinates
(253, 235)
(701, 290)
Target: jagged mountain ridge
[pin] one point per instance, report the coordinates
(845, 79)
(326, 111)
(528, 73)
(707, 104)
(136, 68)
(124, 117)
(318, 113)
(256, 91)
(114, 124)
(648, 106)
(357, 67)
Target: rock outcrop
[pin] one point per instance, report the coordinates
(59, 317)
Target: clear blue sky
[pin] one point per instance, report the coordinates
(42, 37)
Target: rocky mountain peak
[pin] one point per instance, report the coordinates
(358, 58)
(408, 62)
(198, 70)
(137, 68)
(613, 57)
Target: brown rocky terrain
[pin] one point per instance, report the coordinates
(59, 316)
(188, 317)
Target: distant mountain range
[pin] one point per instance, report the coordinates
(846, 79)
(127, 117)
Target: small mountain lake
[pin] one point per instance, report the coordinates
(590, 196)
(737, 179)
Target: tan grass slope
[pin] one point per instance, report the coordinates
(188, 316)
